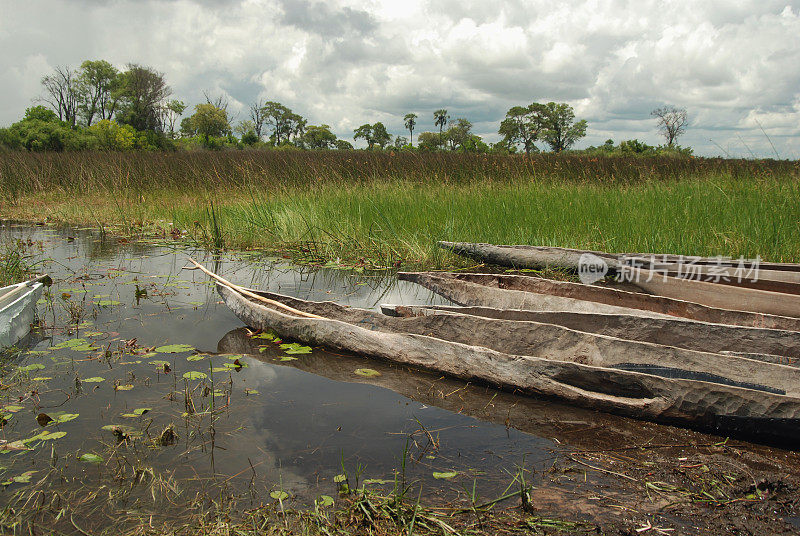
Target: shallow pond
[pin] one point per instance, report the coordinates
(133, 345)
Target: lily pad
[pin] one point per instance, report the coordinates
(174, 348)
(367, 372)
(94, 379)
(249, 391)
(41, 378)
(64, 417)
(325, 500)
(91, 458)
(264, 335)
(31, 367)
(138, 412)
(12, 408)
(296, 348)
(279, 495)
(339, 478)
(196, 357)
(106, 303)
(445, 475)
(195, 375)
(23, 478)
(125, 387)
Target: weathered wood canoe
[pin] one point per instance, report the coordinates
(503, 291)
(18, 309)
(772, 345)
(524, 256)
(761, 296)
(568, 425)
(725, 394)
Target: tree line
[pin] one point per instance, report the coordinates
(97, 106)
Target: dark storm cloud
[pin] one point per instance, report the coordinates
(321, 18)
(733, 65)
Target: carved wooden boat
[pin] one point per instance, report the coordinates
(18, 309)
(503, 291)
(725, 394)
(772, 345)
(524, 256)
(745, 286)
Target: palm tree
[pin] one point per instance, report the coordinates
(411, 122)
(440, 120)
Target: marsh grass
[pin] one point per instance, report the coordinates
(15, 263)
(384, 210)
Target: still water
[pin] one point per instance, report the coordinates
(132, 345)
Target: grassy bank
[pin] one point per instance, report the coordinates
(383, 210)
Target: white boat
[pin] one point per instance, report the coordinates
(18, 309)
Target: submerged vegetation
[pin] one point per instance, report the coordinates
(383, 209)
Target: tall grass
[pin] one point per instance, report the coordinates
(25, 173)
(379, 209)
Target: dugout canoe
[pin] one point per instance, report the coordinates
(772, 345)
(525, 256)
(675, 279)
(18, 309)
(503, 291)
(567, 425)
(728, 403)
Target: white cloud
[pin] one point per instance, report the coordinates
(733, 65)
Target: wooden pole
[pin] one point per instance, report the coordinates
(245, 292)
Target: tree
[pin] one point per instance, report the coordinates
(210, 120)
(319, 137)
(410, 123)
(429, 141)
(380, 136)
(523, 126)
(172, 111)
(142, 96)
(671, 122)
(364, 132)
(257, 117)
(400, 142)
(343, 145)
(560, 130)
(40, 113)
(62, 93)
(440, 119)
(458, 134)
(285, 123)
(99, 83)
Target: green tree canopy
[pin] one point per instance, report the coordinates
(523, 126)
(209, 120)
(318, 137)
(410, 121)
(560, 129)
(143, 93)
(99, 83)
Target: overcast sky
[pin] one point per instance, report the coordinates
(732, 64)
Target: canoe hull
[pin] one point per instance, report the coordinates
(719, 408)
(17, 311)
(523, 292)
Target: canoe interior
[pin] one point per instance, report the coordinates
(462, 288)
(776, 346)
(691, 403)
(528, 338)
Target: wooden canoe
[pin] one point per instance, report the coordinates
(568, 425)
(524, 256)
(772, 345)
(674, 280)
(503, 291)
(18, 309)
(728, 403)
